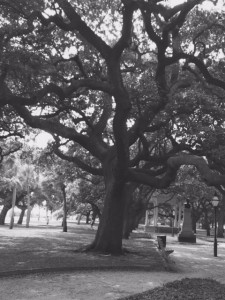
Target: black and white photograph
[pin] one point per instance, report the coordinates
(112, 149)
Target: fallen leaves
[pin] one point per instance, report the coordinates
(185, 289)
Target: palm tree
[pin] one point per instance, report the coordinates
(29, 177)
(19, 176)
(13, 206)
(12, 178)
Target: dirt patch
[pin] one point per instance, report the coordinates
(37, 248)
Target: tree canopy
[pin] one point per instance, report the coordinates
(124, 87)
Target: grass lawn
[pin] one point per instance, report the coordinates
(47, 248)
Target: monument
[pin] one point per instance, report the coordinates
(186, 234)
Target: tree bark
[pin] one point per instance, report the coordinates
(194, 223)
(109, 234)
(79, 218)
(28, 207)
(128, 211)
(8, 205)
(4, 212)
(88, 217)
(13, 206)
(136, 205)
(134, 210)
(221, 217)
(206, 223)
(63, 187)
(20, 221)
(193, 218)
(95, 212)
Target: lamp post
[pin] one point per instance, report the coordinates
(215, 202)
(173, 219)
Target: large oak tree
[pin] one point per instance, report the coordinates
(109, 80)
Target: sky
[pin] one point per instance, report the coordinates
(206, 4)
(42, 139)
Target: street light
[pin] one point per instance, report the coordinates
(215, 203)
(173, 221)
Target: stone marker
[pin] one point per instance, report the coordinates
(186, 234)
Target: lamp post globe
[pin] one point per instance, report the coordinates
(215, 201)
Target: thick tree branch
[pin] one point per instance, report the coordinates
(56, 19)
(54, 127)
(146, 13)
(7, 97)
(210, 177)
(125, 39)
(106, 114)
(154, 182)
(201, 66)
(184, 9)
(88, 83)
(79, 163)
(174, 163)
(78, 24)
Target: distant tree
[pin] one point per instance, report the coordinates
(13, 179)
(189, 187)
(19, 175)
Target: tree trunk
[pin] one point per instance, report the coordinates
(194, 226)
(95, 212)
(208, 230)
(39, 212)
(13, 206)
(193, 221)
(132, 224)
(63, 187)
(207, 227)
(3, 214)
(28, 207)
(221, 216)
(128, 211)
(47, 217)
(7, 206)
(205, 224)
(79, 218)
(133, 207)
(20, 221)
(88, 217)
(109, 235)
(136, 206)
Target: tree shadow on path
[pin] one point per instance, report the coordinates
(47, 248)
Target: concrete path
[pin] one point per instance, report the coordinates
(197, 260)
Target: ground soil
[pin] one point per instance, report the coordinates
(41, 262)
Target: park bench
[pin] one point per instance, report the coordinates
(161, 247)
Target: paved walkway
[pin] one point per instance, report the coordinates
(78, 276)
(197, 260)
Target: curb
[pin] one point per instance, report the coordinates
(25, 272)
